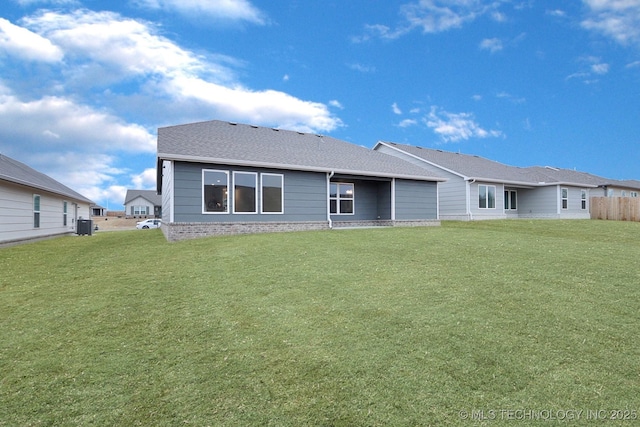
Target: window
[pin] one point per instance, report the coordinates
(583, 199)
(565, 198)
(64, 214)
(510, 200)
(623, 193)
(633, 194)
(610, 192)
(215, 191)
(139, 210)
(487, 196)
(341, 198)
(36, 211)
(245, 185)
(272, 185)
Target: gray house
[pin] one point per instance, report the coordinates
(142, 204)
(218, 177)
(478, 188)
(35, 206)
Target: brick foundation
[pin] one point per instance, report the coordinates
(193, 230)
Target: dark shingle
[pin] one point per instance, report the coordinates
(239, 144)
(14, 171)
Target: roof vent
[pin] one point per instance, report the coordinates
(232, 123)
(277, 130)
(254, 126)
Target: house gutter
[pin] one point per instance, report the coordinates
(469, 182)
(329, 176)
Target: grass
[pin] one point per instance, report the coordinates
(372, 327)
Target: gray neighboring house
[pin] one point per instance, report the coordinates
(478, 188)
(35, 206)
(619, 188)
(142, 204)
(218, 177)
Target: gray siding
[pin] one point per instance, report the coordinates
(574, 203)
(372, 200)
(486, 213)
(416, 200)
(538, 202)
(304, 195)
(452, 193)
(384, 200)
(17, 217)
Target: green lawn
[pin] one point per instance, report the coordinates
(464, 324)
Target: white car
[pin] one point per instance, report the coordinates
(149, 223)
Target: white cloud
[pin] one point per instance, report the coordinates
(407, 122)
(600, 68)
(67, 124)
(453, 127)
(618, 19)
(260, 107)
(592, 66)
(336, 104)
(434, 16)
(396, 109)
(22, 43)
(234, 10)
(49, 2)
(556, 12)
(145, 180)
(125, 49)
(362, 68)
(492, 45)
(510, 97)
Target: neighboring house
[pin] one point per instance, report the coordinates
(218, 177)
(142, 204)
(478, 188)
(615, 188)
(98, 211)
(34, 205)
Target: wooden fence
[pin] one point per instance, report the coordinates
(615, 208)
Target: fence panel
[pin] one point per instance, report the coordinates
(615, 208)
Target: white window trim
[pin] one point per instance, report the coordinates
(204, 209)
(562, 199)
(495, 196)
(584, 198)
(281, 193)
(337, 198)
(38, 211)
(255, 193)
(508, 200)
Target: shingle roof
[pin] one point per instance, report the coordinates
(475, 167)
(239, 144)
(568, 176)
(14, 171)
(471, 167)
(150, 195)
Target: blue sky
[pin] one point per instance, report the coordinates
(84, 84)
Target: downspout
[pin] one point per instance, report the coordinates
(469, 198)
(393, 199)
(329, 176)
